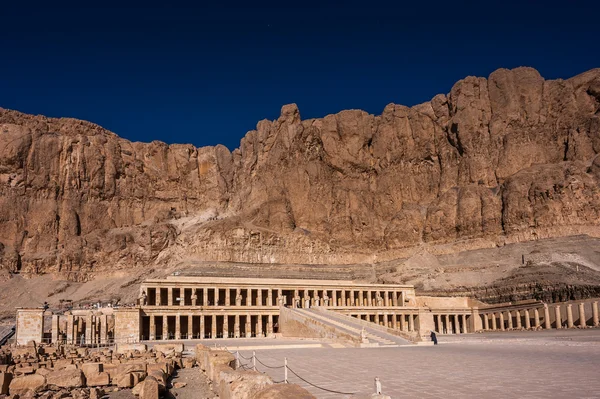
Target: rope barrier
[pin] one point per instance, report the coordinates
(316, 386)
(269, 367)
(285, 366)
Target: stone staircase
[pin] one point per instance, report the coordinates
(354, 327)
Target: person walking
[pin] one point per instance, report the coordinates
(433, 337)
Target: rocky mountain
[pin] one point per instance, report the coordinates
(512, 158)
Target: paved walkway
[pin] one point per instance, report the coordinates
(558, 364)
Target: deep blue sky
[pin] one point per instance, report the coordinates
(205, 74)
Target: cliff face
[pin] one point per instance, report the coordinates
(507, 159)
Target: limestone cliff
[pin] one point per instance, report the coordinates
(506, 159)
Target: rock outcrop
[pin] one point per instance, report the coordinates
(506, 159)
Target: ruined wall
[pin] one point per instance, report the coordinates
(30, 325)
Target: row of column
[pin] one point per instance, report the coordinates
(339, 298)
(400, 322)
(502, 320)
(82, 330)
(224, 329)
(451, 323)
(301, 298)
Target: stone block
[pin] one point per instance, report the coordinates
(5, 379)
(168, 349)
(61, 363)
(149, 389)
(129, 367)
(125, 380)
(66, 378)
(27, 383)
(124, 348)
(138, 376)
(188, 362)
(97, 379)
(91, 368)
(284, 391)
(234, 384)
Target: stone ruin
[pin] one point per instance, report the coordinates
(66, 371)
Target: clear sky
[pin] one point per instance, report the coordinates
(206, 73)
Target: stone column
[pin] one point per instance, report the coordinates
(104, 329)
(201, 326)
(370, 298)
(213, 332)
(394, 321)
(527, 319)
(352, 300)
(547, 324)
(558, 316)
(343, 298)
(334, 298)
(259, 330)
(225, 326)
(445, 330)
(204, 296)
(494, 327)
(570, 316)
(582, 318)
(457, 324)
(510, 321)
(536, 317)
(269, 297)
(190, 330)
(595, 318)
(501, 315)
(70, 328)
(411, 322)
(165, 333)
(236, 326)
(395, 298)
(194, 297)
(270, 325)
(486, 322)
(227, 297)
(386, 298)
(152, 336)
(216, 297)
(464, 324)
(248, 297)
(403, 322)
(259, 297)
(177, 326)
(360, 298)
(248, 327)
(518, 319)
(88, 329)
(170, 296)
(54, 328)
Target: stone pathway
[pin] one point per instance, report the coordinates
(555, 364)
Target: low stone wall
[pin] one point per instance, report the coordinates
(295, 325)
(219, 366)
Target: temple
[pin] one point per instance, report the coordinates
(184, 307)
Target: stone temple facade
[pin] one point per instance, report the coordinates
(183, 307)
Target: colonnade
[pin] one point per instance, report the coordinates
(89, 329)
(451, 323)
(198, 326)
(398, 321)
(546, 316)
(296, 297)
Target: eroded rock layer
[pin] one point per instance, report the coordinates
(510, 158)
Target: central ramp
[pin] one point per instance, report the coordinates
(332, 325)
